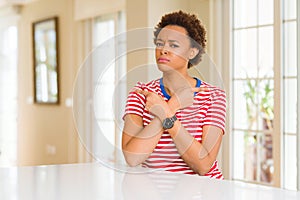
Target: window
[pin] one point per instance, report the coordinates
(100, 87)
(256, 80)
(107, 132)
(8, 95)
(289, 28)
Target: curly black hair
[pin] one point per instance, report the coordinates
(192, 25)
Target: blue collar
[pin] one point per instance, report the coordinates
(162, 87)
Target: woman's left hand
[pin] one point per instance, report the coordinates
(184, 97)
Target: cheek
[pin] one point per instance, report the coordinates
(182, 55)
(157, 53)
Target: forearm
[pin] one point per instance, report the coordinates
(197, 156)
(192, 152)
(141, 145)
(147, 137)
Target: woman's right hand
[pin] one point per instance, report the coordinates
(155, 104)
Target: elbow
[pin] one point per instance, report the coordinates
(131, 160)
(202, 170)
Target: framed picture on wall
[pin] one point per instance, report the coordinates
(45, 61)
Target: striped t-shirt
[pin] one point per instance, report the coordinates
(209, 108)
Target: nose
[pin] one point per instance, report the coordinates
(164, 50)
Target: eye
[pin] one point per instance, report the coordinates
(174, 45)
(159, 44)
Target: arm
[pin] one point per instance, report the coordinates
(138, 142)
(199, 156)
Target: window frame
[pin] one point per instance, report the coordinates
(278, 88)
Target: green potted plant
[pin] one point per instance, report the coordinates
(261, 101)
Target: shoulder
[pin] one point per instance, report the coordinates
(150, 86)
(212, 90)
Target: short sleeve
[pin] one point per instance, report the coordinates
(135, 102)
(216, 111)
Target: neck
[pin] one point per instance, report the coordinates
(173, 81)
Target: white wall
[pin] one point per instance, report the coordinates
(46, 133)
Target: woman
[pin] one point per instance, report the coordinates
(176, 123)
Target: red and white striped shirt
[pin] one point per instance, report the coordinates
(209, 108)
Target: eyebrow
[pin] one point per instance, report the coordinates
(167, 40)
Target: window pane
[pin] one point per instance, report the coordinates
(290, 9)
(104, 140)
(266, 105)
(245, 104)
(245, 53)
(238, 154)
(290, 94)
(103, 60)
(249, 155)
(290, 48)
(8, 94)
(266, 8)
(255, 150)
(242, 11)
(107, 129)
(106, 28)
(104, 76)
(290, 162)
(103, 101)
(107, 75)
(265, 157)
(265, 58)
(290, 105)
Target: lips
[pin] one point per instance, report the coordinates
(163, 60)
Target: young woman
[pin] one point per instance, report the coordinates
(176, 123)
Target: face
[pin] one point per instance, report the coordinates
(173, 49)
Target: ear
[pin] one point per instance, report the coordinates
(193, 52)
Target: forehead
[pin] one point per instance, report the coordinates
(173, 32)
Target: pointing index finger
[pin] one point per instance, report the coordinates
(199, 89)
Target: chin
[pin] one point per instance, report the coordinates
(164, 67)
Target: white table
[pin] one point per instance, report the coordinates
(94, 181)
